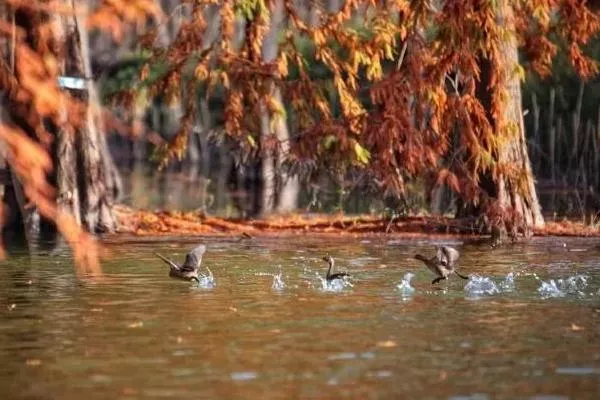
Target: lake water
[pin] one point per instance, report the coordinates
(527, 325)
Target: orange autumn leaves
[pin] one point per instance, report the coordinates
(31, 163)
(384, 103)
(398, 55)
(29, 78)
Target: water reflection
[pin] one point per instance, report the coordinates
(141, 334)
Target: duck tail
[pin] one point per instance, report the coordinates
(461, 275)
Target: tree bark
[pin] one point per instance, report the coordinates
(97, 170)
(65, 155)
(274, 175)
(516, 207)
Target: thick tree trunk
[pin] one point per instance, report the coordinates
(289, 186)
(274, 176)
(516, 207)
(97, 171)
(65, 154)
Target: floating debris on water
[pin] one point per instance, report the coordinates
(573, 285)
(404, 287)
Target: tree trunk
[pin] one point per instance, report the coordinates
(97, 171)
(65, 154)
(274, 176)
(13, 216)
(267, 165)
(516, 207)
(171, 111)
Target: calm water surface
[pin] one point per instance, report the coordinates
(140, 334)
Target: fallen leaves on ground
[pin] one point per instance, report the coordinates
(156, 223)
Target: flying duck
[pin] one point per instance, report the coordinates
(188, 271)
(443, 264)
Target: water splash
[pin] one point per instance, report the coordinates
(207, 281)
(334, 285)
(480, 286)
(550, 289)
(278, 283)
(508, 285)
(573, 285)
(404, 287)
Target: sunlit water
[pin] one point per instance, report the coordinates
(264, 324)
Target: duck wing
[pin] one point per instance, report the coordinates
(169, 262)
(193, 259)
(434, 264)
(448, 256)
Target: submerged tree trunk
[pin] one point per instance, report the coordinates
(514, 202)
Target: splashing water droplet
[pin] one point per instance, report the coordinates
(278, 283)
(508, 285)
(480, 286)
(207, 281)
(550, 289)
(334, 285)
(573, 285)
(404, 287)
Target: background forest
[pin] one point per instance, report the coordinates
(483, 110)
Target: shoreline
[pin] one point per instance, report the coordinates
(142, 223)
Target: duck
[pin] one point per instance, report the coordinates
(330, 277)
(188, 271)
(443, 264)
